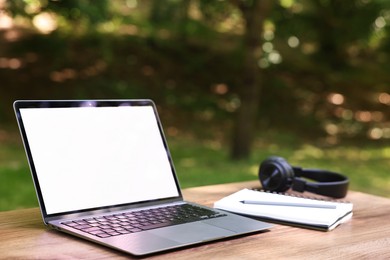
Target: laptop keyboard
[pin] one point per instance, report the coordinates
(136, 221)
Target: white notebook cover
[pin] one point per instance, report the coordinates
(310, 217)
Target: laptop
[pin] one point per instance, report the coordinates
(103, 172)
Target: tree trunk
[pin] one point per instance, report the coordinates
(254, 13)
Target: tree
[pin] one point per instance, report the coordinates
(254, 13)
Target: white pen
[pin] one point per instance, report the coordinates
(289, 204)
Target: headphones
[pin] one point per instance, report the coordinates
(275, 174)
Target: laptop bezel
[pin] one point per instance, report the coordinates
(25, 104)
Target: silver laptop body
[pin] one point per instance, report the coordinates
(104, 160)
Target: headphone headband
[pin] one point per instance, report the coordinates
(276, 174)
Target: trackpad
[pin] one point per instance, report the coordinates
(192, 232)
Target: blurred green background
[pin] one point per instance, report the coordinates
(235, 81)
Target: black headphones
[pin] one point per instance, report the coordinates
(275, 174)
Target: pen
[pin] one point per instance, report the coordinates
(289, 204)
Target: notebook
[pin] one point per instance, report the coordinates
(286, 209)
(103, 171)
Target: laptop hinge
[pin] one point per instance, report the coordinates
(82, 214)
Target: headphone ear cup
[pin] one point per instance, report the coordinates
(275, 174)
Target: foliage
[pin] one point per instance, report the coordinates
(323, 63)
(311, 51)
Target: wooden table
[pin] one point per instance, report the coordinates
(24, 236)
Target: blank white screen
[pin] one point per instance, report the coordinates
(87, 157)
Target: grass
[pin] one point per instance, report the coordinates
(16, 186)
(204, 162)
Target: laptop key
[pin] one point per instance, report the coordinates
(97, 232)
(90, 229)
(70, 224)
(103, 235)
(81, 227)
(114, 233)
(134, 230)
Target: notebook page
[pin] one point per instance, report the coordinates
(295, 214)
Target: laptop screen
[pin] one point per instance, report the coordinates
(92, 156)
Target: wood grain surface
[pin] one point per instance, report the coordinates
(23, 235)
